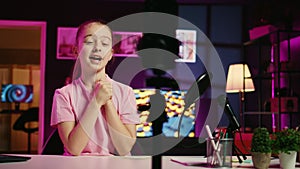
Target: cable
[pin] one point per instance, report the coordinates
(237, 150)
(243, 144)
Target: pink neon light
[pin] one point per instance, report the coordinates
(293, 46)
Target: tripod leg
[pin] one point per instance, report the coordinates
(237, 154)
(236, 149)
(156, 162)
(240, 152)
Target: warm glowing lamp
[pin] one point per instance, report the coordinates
(239, 81)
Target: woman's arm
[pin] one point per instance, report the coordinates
(123, 135)
(76, 136)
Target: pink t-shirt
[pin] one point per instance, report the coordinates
(70, 101)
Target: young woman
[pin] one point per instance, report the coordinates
(94, 114)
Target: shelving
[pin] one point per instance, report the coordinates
(274, 62)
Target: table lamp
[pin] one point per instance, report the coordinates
(239, 81)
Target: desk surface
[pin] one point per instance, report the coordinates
(80, 162)
(197, 162)
(114, 162)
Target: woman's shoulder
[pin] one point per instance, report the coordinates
(67, 89)
(121, 86)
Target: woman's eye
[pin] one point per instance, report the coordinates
(105, 44)
(88, 42)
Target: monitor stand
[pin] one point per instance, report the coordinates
(17, 107)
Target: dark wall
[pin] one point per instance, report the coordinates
(280, 13)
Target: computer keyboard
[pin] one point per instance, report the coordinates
(12, 158)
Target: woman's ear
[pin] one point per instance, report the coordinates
(75, 50)
(112, 51)
(111, 54)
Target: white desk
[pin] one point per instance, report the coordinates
(80, 162)
(167, 163)
(113, 162)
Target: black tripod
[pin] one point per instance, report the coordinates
(238, 152)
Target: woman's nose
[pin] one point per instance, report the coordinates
(97, 47)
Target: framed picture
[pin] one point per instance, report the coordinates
(187, 48)
(65, 42)
(125, 43)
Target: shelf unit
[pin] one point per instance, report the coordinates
(274, 61)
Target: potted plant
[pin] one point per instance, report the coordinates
(261, 148)
(286, 144)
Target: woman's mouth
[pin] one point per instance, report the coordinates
(95, 58)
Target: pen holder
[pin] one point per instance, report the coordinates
(219, 154)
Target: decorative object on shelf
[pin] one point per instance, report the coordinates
(65, 42)
(188, 45)
(260, 31)
(286, 144)
(125, 43)
(288, 104)
(261, 148)
(239, 81)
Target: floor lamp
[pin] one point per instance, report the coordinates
(239, 81)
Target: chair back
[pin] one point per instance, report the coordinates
(23, 123)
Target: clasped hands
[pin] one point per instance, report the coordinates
(103, 91)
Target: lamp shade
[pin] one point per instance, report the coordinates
(239, 79)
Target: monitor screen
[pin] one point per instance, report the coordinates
(174, 105)
(17, 93)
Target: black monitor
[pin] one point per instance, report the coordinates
(174, 105)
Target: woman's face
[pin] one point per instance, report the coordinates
(95, 47)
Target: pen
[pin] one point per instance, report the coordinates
(213, 144)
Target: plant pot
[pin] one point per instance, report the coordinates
(261, 160)
(288, 161)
